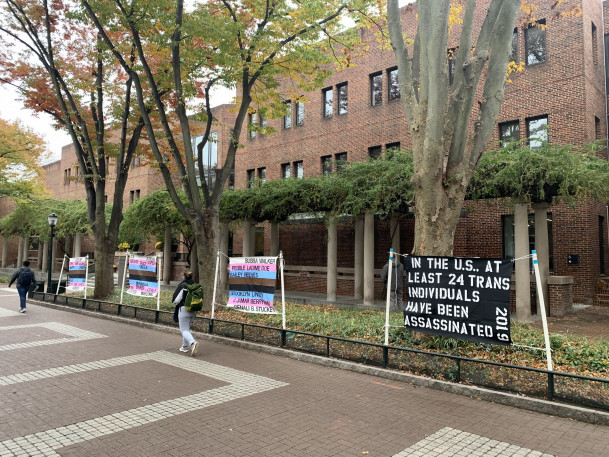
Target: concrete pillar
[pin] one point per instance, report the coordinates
(223, 266)
(45, 257)
(68, 245)
(248, 238)
(20, 252)
(77, 244)
(542, 246)
(274, 247)
(332, 260)
(40, 253)
(26, 248)
(523, 275)
(4, 252)
(167, 256)
(394, 226)
(369, 259)
(358, 290)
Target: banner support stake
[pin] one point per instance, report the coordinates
(281, 261)
(87, 274)
(213, 298)
(63, 262)
(389, 277)
(543, 310)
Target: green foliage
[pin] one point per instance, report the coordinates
(381, 186)
(148, 218)
(522, 174)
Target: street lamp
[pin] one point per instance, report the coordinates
(52, 221)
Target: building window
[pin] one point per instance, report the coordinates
(537, 131)
(67, 173)
(250, 178)
(509, 244)
(509, 132)
(263, 124)
(328, 98)
(131, 196)
(298, 170)
(535, 42)
(300, 113)
(514, 52)
(376, 89)
(209, 153)
(342, 90)
(286, 170)
(393, 84)
(341, 160)
(262, 175)
(108, 164)
(253, 120)
(287, 118)
(326, 165)
(392, 147)
(598, 133)
(594, 45)
(374, 152)
(452, 57)
(135, 161)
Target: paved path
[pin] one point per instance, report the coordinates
(77, 385)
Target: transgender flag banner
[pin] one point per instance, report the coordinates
(78, 273)
(143, 280)
(251, 284)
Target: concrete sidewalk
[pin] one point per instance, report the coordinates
(72, 384)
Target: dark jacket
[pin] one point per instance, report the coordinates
(180, 287)
(397, 270)
(15, 277)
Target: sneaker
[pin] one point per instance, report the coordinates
(22, 310)
(195, 348)
(183, 349)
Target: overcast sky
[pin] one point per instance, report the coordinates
(12, 109)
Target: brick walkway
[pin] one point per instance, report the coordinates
(77, 385)
(591, 322)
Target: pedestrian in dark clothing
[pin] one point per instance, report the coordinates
(183, 317)
(25, 280)
(397, 277)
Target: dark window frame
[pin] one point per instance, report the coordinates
(528, 121)
(504, 139)
(342, 91)
(326, 165)
(287, 118)
(535, 32)
(327, 102)
(300, 114)
(393, 85)
(376, 89)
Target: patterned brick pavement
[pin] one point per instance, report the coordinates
(76, 385)
(590, 321)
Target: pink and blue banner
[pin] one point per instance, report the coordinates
(143, 278)
(251, 282)
(78, 273)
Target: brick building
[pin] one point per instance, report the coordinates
(358, 115)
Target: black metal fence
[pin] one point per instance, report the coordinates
(533, 382)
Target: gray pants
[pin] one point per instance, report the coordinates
(185, 319)
(395, 300)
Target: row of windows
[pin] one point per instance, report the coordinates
(329, 164)
(537, 131)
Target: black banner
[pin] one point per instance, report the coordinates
(466, 299)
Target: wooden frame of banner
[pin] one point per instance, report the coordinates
(213, 299)
(543, 310)
(63, 262)
(388, 305)
(124, 275)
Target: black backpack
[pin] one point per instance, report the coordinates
(26, 277)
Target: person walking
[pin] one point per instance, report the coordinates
(397, 270)
(183, 317)
(25, 278)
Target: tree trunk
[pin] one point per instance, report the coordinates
(207, 240)
(104, 260)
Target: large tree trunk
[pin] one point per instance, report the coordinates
(207, 242)
(104, 259)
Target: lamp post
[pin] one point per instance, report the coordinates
(52, 221)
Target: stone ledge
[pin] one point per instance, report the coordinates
(560, 280)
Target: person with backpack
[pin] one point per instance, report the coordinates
(187, 298)
(25, 279)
